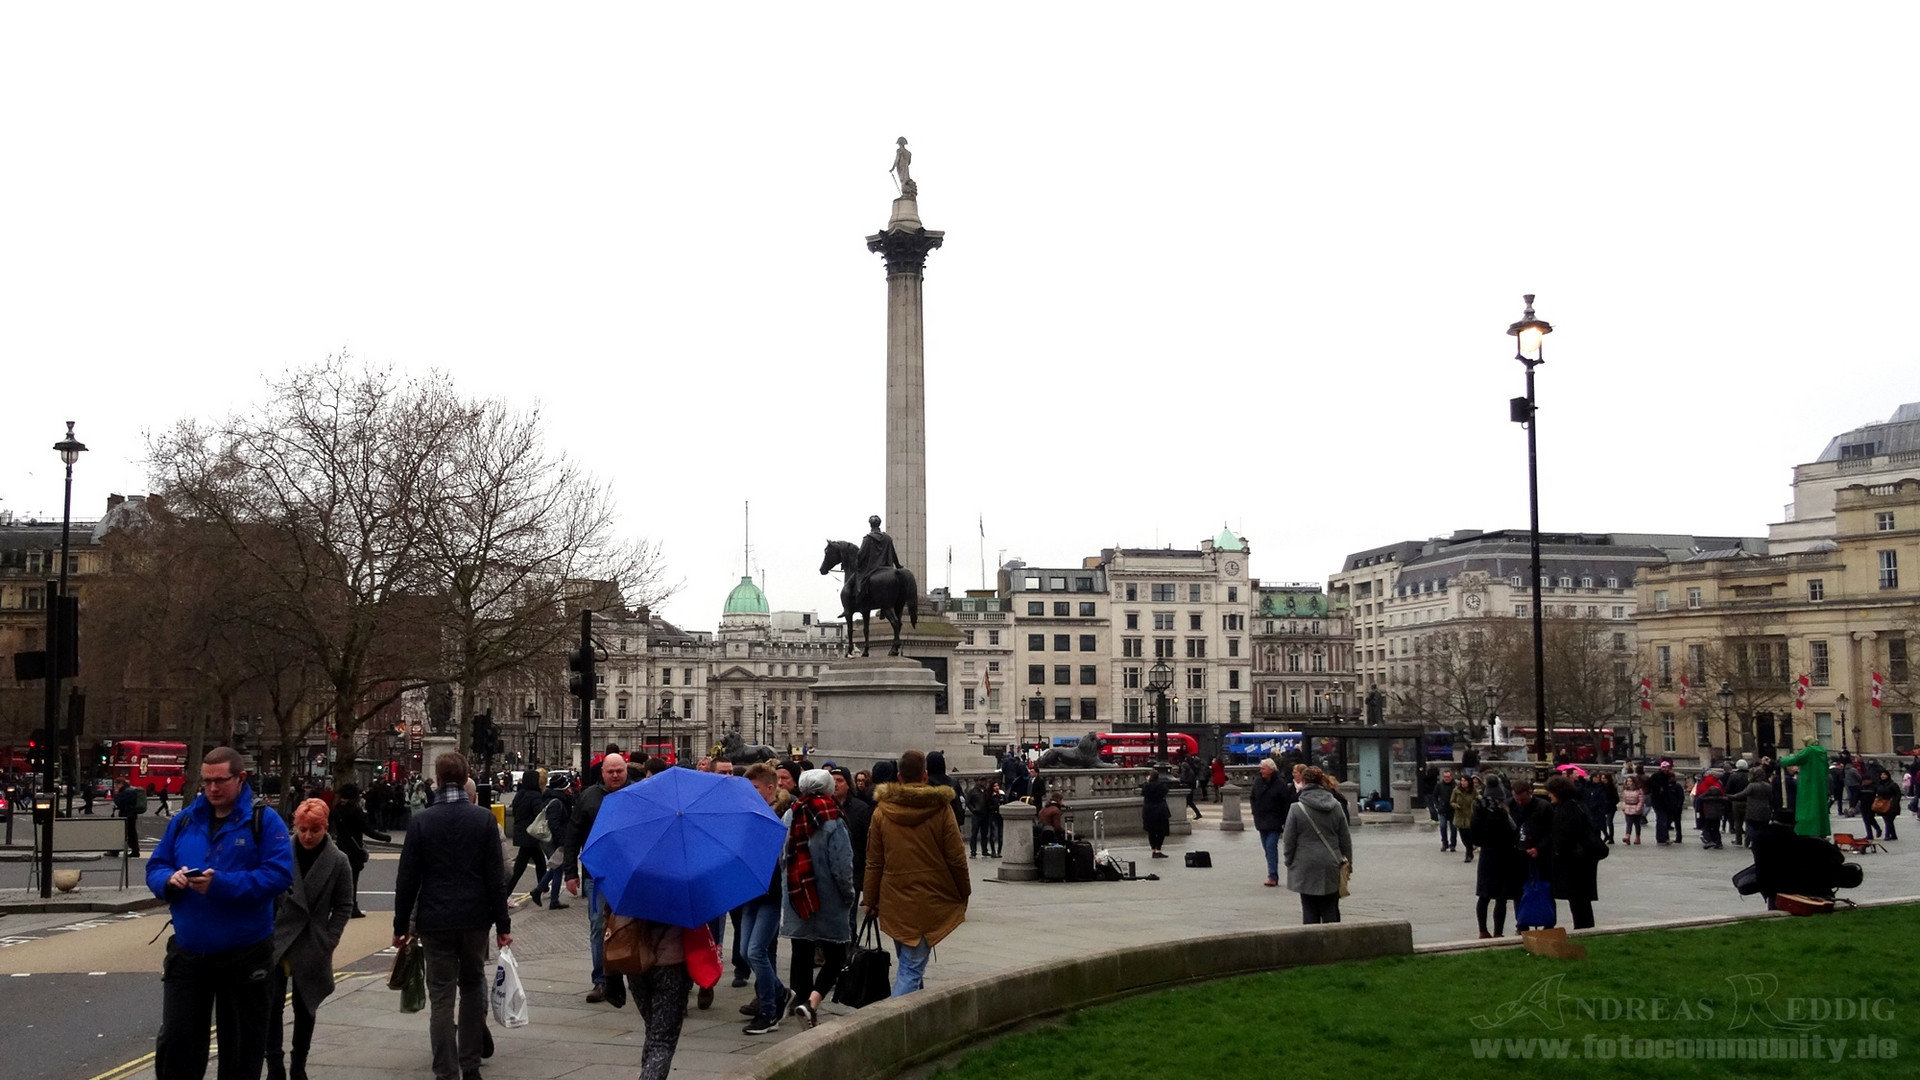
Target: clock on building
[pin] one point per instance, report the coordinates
(1232, 568)
(1473, 601)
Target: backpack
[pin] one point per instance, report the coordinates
(139, 800)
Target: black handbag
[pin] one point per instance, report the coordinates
(868, 976)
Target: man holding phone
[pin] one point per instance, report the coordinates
(220, 867)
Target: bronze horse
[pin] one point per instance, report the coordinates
(888, 590)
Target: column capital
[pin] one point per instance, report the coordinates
(905, 250)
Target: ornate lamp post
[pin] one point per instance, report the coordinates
(1160, 680)
(1842, 702)
(530, 720)
(1530, 349)
(57, 660)
(1491, 697)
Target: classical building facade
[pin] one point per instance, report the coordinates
(1189, 608)
(1872, 454)
(1302, 657)
(1840, 608)
(1061, 637)
(982, 691)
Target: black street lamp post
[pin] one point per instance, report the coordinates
(58, 663)
(1491, 696)
(1530, 337)
(1160, 680)
(1842, 702)
(530, 718)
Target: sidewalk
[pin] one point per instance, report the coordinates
(1399, 873)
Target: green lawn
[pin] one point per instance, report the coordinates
(1757, 991)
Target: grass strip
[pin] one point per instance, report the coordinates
(1774, 998)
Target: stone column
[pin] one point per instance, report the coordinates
(1230, 821)
(1016, 845)
(905, 244)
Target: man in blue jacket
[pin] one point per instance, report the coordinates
(220, 867)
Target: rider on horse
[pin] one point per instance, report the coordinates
(876, 553)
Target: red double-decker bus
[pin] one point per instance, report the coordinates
(150, 766)
(1137, 748)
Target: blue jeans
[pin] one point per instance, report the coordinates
(1270, 843)
(596, 928)
(1449, 835)
(759, 930)
(912, 973)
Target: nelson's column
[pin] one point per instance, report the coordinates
(877, 707)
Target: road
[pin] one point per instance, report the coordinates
(81, 993)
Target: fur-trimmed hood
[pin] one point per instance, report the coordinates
(913, 804)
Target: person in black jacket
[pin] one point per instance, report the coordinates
(557, 805)
(350, 831)
(452, 885)
(1532, 818)
(1573, 852)
(527, 802)
(1273, 797)
(1155, 816)
(1502, 867)
(586, 808)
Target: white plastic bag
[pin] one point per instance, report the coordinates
(509, 997)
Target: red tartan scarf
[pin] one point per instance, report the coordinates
(809, 812)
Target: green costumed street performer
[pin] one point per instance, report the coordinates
(1810, 807)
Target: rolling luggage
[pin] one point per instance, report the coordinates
(1080, 861)
(1053, 863)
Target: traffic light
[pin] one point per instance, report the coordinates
(583, 683)
(484, 736)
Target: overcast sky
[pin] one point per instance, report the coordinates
(1205, 264)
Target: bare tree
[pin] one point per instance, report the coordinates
(1453, 670)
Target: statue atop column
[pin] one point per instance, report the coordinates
(902, 166)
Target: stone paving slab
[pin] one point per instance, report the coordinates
(1400, 873)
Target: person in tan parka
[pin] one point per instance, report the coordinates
(916, 877)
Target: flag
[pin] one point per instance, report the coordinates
(1876, 689)
(1646, 692)
(1683, 691)
(1800, 691)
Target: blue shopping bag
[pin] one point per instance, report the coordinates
(1536, 908)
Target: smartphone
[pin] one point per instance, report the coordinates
(191, 872)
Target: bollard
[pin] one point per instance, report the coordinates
(1016, 845)
(1230, 820)
(1403, 797)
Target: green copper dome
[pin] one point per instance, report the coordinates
(746, 599)
(1226, 541)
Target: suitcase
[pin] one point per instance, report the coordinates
(1199, 859)
(1053, 863)
(1080, 861)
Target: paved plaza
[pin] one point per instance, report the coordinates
(1399, 873)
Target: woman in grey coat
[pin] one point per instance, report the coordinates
(308, 923)
(1313, 845)
(816, 877)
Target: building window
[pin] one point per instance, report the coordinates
(1131, 647)
(1817, 657)
(1086, 643)
(1088, 676)
(1036, 607)
(1663, 663)
(1233, 646)
(1130, 677)
(1083, 584)
(1273, 700)
(1897, 659)
(993, 638)
(1086, 609)
(1133, 591)
(1062, 708)
(1196, 678)
(1667, 742)
(1693, 599)
(1889, 569)
(1163, 647)
(993, 666)
(966, 699)
(1133, 620)
(1057, 584)
(1036, 643)
(1036, 709)
(1586, 583)
(1233, 712)
(1193, 620)
(1130, 710)
(1816, 590)
(620, 707)
(1659, 599)
(1593, 612)
(1036, 674)
(1696, 659)
(1566, 581)
(1197, 711)
(1193, 594)
(1062, 608)
(1063, 643)
(1613, 583)
(1163, 620)
(1163, 594)
(1519, 611)
(1902, 725)
(1883, 521)
(1233, 678)
(1515, 581)
(666, 677)
(1619, 612)
(1196, 648)
(966, 636)
(1233, 594)
(1089, 708)
(1063, 674)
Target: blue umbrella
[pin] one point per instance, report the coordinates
(683, 846)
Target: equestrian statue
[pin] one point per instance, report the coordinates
(875, 582)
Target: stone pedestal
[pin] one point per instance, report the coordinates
(1230, 820)
(1351, 789)
(875, 708)
(1016, 844)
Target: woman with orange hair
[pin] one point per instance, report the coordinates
(312, 914)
